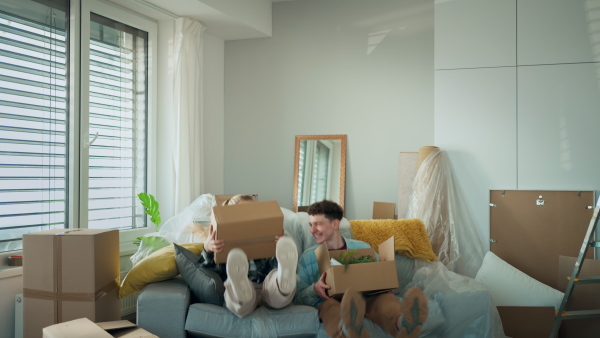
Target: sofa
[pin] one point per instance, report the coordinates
(458, 305)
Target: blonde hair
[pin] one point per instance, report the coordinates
(237, 199)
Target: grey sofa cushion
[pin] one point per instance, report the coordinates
(206, 285)
(206, 320)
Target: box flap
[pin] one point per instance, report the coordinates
(116, 324)
(322, 257)
(219, 199)
(386, 250)
(77, 328)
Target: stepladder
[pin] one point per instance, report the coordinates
(575, 280)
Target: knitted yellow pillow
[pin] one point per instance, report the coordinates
(158, 266)
(410, 236)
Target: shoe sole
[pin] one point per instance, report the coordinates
(237, 274)
(287, 262)
(414, 313)
(352, 311)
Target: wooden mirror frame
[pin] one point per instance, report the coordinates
(300, 138)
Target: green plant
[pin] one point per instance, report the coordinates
(151, 205)
(348, 258)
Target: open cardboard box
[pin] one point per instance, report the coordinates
(85, 328)
(363, 277)
(251, 227)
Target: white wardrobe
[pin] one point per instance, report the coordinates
(517, 96)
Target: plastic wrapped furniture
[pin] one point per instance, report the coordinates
(168, 309)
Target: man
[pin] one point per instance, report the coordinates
(344, 319)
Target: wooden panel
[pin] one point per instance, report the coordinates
(531, 237)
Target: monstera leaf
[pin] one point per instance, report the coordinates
(151, 205)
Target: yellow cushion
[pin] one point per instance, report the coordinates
(158, 266)
(410, 236)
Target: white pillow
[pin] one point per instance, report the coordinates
(509, 286)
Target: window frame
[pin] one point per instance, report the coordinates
(79, 30)
(136, 20)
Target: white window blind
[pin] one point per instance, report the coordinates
(39, 135)
(117, 120)
(33, 115)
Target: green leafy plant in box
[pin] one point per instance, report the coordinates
(348, 258)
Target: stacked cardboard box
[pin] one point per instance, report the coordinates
(69, 274)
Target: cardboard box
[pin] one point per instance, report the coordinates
(85, 328)
(251, 227)
(303, 208)
(219, 199)
(383, 210)
(584, 297)
(67, 274)
(527, 321)
(380, 275)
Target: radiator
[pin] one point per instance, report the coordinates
(19, 315)
(129, 303)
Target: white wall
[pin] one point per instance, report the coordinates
(517, 99)
(332, 67)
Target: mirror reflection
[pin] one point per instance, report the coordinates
(319, 170)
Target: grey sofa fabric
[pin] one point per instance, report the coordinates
(162, 308)
(207, 320)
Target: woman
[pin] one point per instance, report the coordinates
(270, 280)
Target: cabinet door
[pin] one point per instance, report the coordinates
(558, 120)
(475, 123)
(558, 31)
(475, 33)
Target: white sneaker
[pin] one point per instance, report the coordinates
(287, 261)
(237, 275)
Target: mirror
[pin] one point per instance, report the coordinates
(319, 170)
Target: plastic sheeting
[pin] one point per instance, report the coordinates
(192, 223)
(189, 226)
(437, 202)
(466, 304)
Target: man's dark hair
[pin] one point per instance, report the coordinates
(329, 209)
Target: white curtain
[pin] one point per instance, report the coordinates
(187, 96)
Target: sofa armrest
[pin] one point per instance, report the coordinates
(162, 308)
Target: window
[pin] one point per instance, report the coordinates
(52, 175)
(117, 119)
(314, 179)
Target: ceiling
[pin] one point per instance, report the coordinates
(226, 19)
